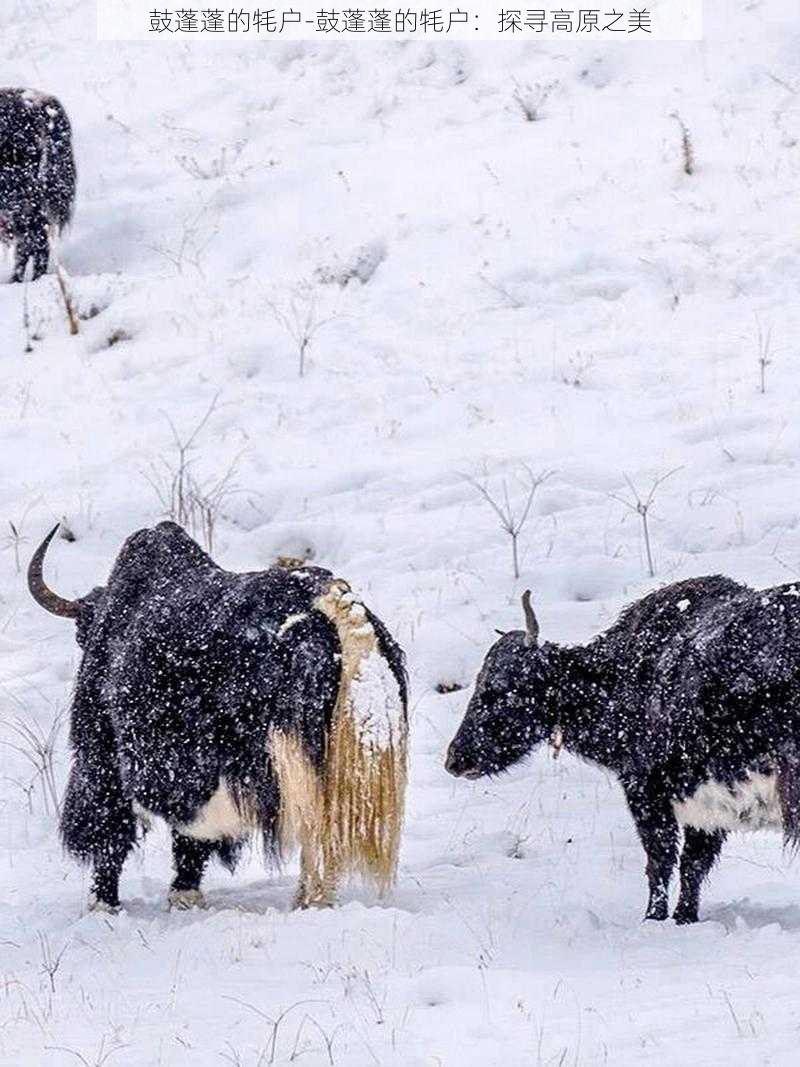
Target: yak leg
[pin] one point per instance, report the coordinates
(317, 885)
(32, 244)
(98, 827)
(22, 254)
(40, 252)
(106, 871)
(190, 858)
(658, 832)
(700, 853)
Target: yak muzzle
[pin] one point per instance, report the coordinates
(456, 766)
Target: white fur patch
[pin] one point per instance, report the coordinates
(290, 621)
(217, 819)
(144, 816)
(751, 804)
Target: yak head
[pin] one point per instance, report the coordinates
(82, 610)
(510, 710)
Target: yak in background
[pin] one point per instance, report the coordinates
(227, 704)
(692, 699)
(37, 175)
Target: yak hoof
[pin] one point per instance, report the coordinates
(185, 899)
(656, 914)
(102, 907)
(685, 918)
(303, 901)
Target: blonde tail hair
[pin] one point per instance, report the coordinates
(348, 820)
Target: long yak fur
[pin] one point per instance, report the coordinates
(348, 818)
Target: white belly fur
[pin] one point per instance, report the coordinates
(217, 819)
(751, 804)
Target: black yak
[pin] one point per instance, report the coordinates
(692, 699)
(227, 704)
(37, 175)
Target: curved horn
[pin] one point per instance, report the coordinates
(531, 623)
(67, 609)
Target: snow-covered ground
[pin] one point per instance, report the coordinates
(523, 298)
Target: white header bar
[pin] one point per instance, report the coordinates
(482, 20)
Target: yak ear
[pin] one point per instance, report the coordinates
(500, 633)
(531, 622)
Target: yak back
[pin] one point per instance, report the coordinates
(192, 666)
(21, 131)
(706, 673)
(37, 164)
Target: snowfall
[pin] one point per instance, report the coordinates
(501, 280)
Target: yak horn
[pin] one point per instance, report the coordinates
(531, 624)
(50, 601)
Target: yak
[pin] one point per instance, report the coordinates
(228, 704)
(691, 699)
(37, 176)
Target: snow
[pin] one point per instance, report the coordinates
(375, 700)
(487, 293)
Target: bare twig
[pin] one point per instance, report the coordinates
(50, 961)
(765, 354)
(274, 1023)
(686, 145)
(37, 745)
(192, 503)
(72, 318)
(642, 509)
(503, 291)
(13, 540)
(217, 167)
(299, 316)
(196, 234)
(100, 1057)
(512, 519)
(62, 279)
(326, 1037)
(531, 98)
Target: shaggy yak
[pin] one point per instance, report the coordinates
(37, 175)
(226, 703)
(692, 699)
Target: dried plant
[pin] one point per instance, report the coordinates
(197, 231)
(765, 354)
(686, 145)
(531, 98)
(95, 1059)
(299, 316)
(217, 167)
(13, 541)
(642, 508)
(37, 745)
(512, 518)
(193, 503)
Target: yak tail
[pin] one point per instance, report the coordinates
(347, 819)
(789, 795)
(58, 164)
(364, 801)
